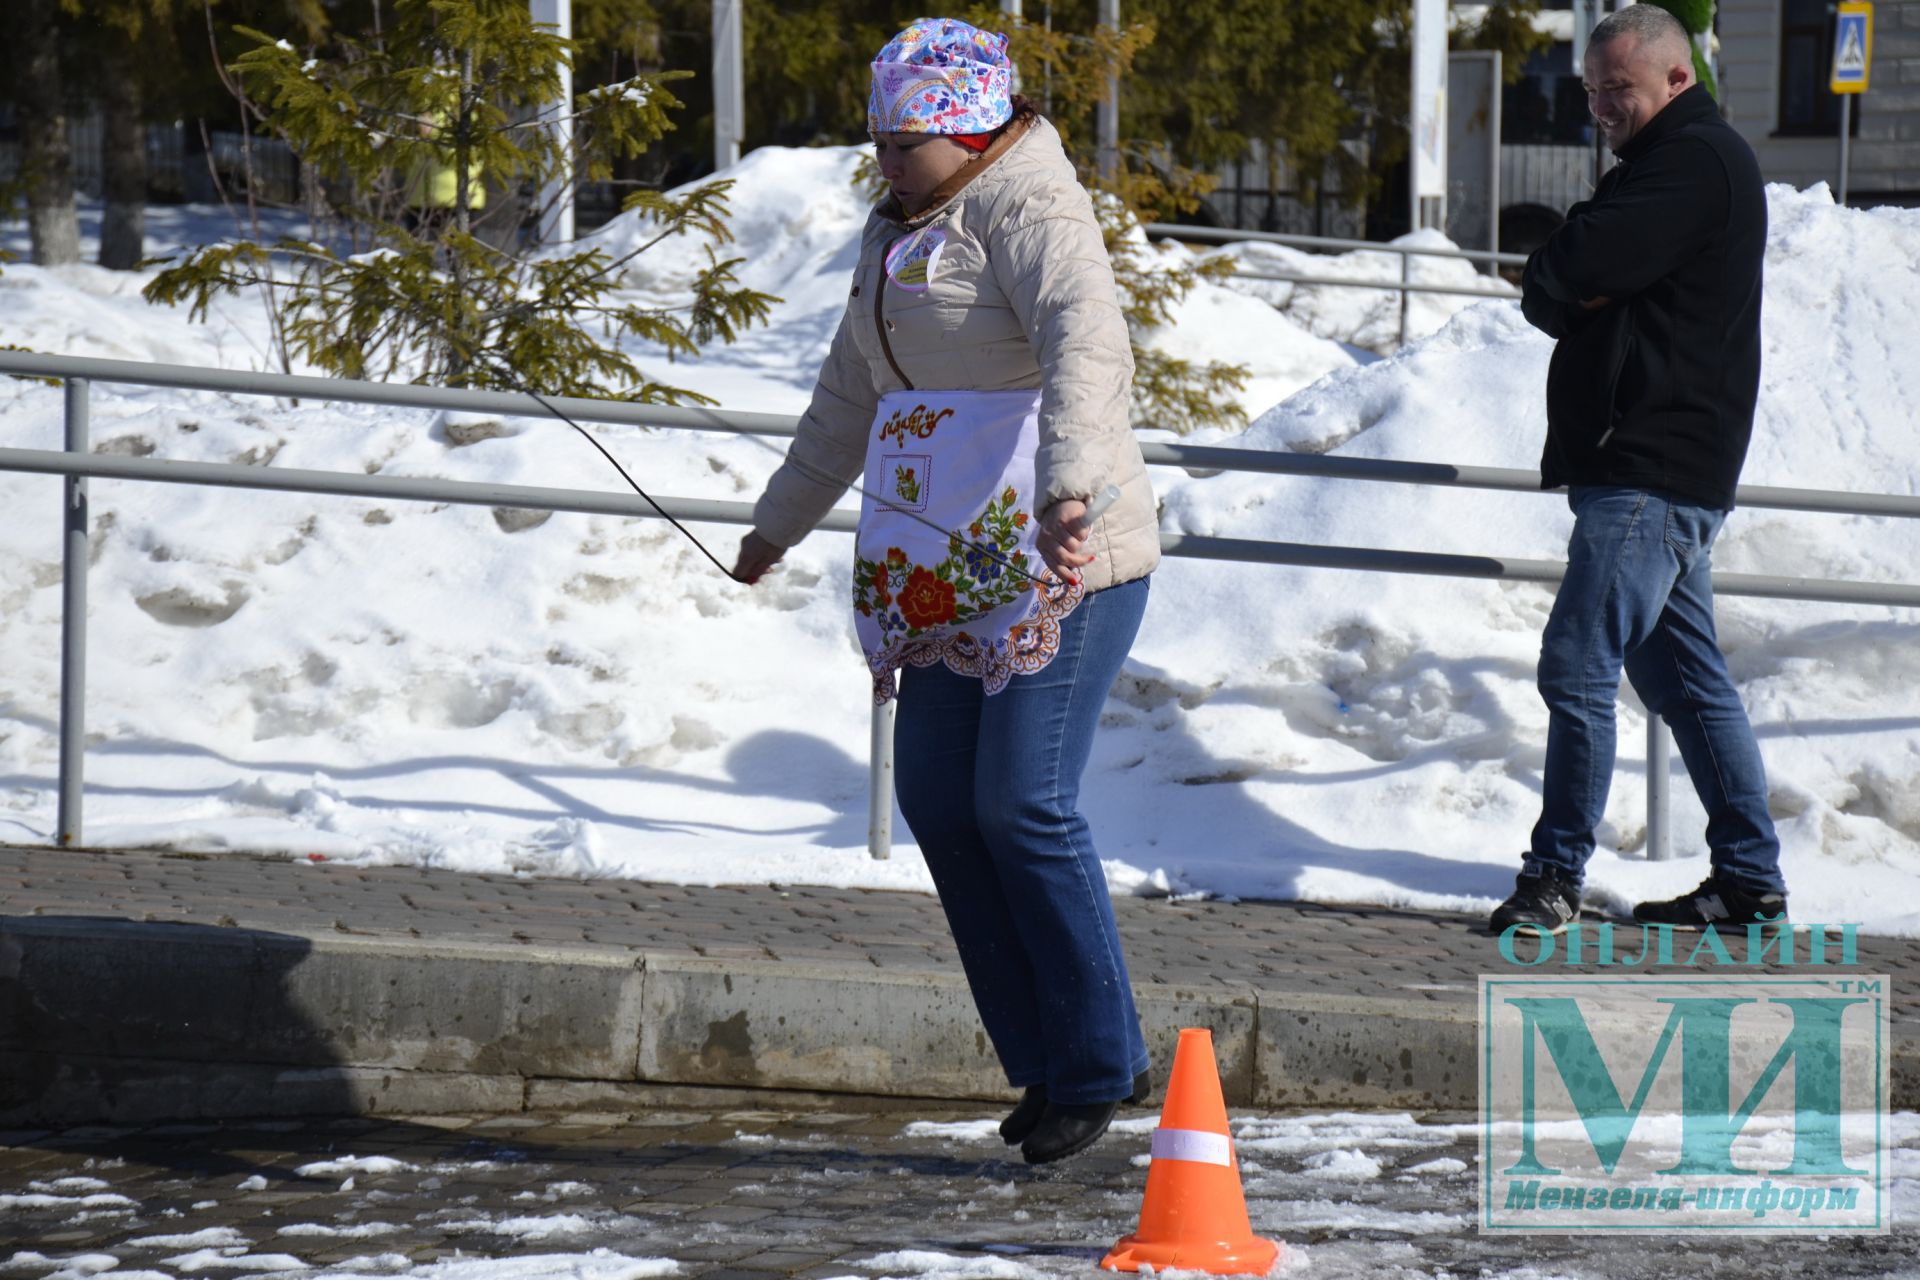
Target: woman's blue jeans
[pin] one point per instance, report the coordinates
(990, 788)
(1639, 594)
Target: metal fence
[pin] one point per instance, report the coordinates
(179, 167)
(1404, 285)
(77, 464)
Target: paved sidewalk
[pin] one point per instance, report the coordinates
(400, 989)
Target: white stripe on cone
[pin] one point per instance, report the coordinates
(1196, 1145)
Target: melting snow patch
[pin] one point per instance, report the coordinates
(955, 1131)
(599, 1264)
(371, 1264)
(1444, 1165)
(1281, 1215)
(69, 1268)
(352, 1165)
(211, 1238)
(254, 1183)
(947, 1266)
(356, 1231)
(234, 1260)
(40, 1200)
(1345, 1166)
(558, 1224)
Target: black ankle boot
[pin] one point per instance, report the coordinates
(1067, 1129)
(1025, 1116)
(1142, 1089)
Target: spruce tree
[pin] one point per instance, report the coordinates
(1066, 72)
(406, 131)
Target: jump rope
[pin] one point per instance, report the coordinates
(1096, 507)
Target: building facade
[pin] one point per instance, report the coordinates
(1775, 58)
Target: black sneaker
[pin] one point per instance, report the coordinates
(1547, 902)
(1715, 902)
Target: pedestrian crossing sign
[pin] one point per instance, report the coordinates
(1852, 47)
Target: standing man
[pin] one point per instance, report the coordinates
(1653, 290)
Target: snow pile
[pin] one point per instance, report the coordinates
(586, 696)
(802, 247)
(1368, 319)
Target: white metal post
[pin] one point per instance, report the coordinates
(1107, 125)
(729, 84)
(1659, 841)
(1406, 276)
(73, 628)
(1427, 117)
(1494, 126)
(880, 783)
(1846, 129)
(556, 198)
(1012, 8)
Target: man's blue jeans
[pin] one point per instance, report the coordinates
(990, 787)
(1639, 593)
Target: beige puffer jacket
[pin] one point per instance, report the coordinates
(1022, 297)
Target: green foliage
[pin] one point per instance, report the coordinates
(1143, 184)
(615, 31)
(463, 87)
(1325, 80)
(1221, 75)
(1508, 29)
(1697, 17)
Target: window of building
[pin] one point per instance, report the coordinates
(1808, 108)
(1548, 103)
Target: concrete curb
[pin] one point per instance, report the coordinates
(104, 1019)
(110, 1019)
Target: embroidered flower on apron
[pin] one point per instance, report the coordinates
(964, 461)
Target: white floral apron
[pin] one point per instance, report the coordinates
(949, 477)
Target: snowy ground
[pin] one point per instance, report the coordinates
(819, 1196)
(394, 683)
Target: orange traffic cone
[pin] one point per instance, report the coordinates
(1194, 1216)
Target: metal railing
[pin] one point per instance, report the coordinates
(76, 463)
(1174, 231)
(1404, 285)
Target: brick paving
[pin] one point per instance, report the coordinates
(1277, 947)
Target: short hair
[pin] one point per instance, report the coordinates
(1651, 25)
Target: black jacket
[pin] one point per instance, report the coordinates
(1657, 390)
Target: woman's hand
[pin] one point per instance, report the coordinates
(757, 555)
(1063, 538)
